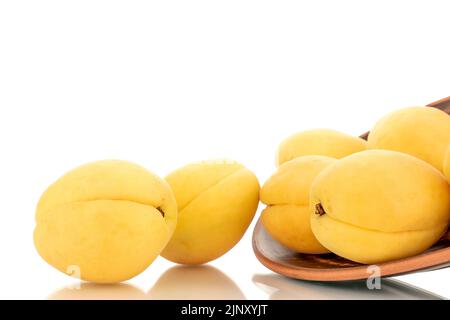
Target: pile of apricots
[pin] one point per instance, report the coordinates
(367, 201)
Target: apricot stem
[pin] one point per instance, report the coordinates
(320, 210)
(160, 210)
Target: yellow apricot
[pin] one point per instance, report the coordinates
(422, 132)
(286, 194)
(379, 205)
(105, 221)
(216, 203)
(323, 142)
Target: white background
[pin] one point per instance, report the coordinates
(164, 83)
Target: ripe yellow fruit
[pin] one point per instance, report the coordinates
(423, 132)
(216, 203)
(105, 221)
(447, 164)
(286, 194)
(379, 205)
(323, 142)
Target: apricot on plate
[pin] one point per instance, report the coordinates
(379, 205)
(216, 201)
(422, 132)
(105, 221)
(286, 194)
(323, 142)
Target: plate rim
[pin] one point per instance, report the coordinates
(436, 259)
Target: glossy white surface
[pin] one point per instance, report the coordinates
(170, 82)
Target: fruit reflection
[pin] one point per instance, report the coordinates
(282, 288)
(195, 283)
(92, 291)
